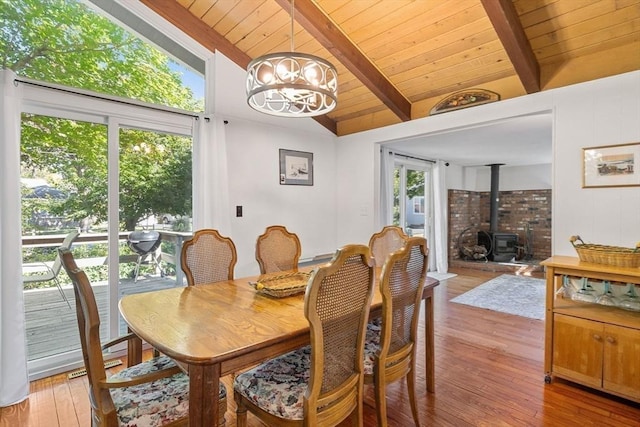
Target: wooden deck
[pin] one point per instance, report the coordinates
(51, 326)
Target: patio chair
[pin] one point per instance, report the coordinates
(52, 271)
(391, 342)
(388, 240)
(208, 257)
(277, 250)
(320, 384)
(151, 393)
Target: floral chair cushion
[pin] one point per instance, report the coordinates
(278, 385)
(156, 403)
(372, 345)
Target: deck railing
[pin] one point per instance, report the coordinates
(55, 240)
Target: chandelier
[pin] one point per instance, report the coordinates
(291, 84)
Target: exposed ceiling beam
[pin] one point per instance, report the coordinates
(323, 29)
(179, 16)
(505, 20)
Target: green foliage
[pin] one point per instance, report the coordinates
(64, 42)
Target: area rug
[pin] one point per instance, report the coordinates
(519, 295)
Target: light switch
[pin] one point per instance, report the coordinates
(238, 211)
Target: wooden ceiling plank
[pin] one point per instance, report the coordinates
(363, 123)
(566, 13)
(198, 7)
(429, 37)
(236, 16)
(505, 20)
(527, 6)
(419, 29)
(323, 29)
(253, 24)
(349, 9)
(610, 25)
(599, 41)
(187, 3)
(437, 50)
(553, 24)
(463, 59)
(217, 12)
(458, 74)
(474, 81)
(602, 63)
(364, 111)
(271, 32)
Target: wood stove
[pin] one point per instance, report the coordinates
(501, 247)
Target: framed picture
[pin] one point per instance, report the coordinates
(296, 167)
(611, 166)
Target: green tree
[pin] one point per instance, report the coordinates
(64, 42)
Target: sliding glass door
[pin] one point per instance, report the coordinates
(119, 170)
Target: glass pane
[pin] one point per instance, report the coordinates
(155, 209)
(91, 52)
(415, 208)
(396, 195)
(63, 168)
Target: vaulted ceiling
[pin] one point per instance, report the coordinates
(396, 59)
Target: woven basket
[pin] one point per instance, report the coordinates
(282, 285)
(610, 255)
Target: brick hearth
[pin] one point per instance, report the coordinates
(470, 211)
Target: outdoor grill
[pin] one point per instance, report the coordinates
(145, 243)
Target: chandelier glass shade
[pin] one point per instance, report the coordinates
(291, 84)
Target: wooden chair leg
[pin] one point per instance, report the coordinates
(381, 400)
(222, 409)
(411, 385)
(241, 412)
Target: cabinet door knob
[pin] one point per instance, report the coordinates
(611, 340)
(597, 337)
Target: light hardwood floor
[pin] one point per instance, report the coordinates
(489, 372)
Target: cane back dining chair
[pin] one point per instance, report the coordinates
(320, 384)
(208, 257)
(388, 240)
(151, 393)
(52, 272)
(391, 341)
(277, 249)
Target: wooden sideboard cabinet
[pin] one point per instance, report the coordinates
(588, 343)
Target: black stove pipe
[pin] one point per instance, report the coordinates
(495, 197)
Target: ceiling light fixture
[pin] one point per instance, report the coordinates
(290, 84)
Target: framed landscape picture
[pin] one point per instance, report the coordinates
(611, 166)
(296, 167)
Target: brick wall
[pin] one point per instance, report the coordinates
(470, 211)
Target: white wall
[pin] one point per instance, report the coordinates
(309, 211)
(601, 112)
(253, 141)
(512, 178)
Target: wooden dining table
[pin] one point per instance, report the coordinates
(217, 329)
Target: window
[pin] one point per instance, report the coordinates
(418, 205)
